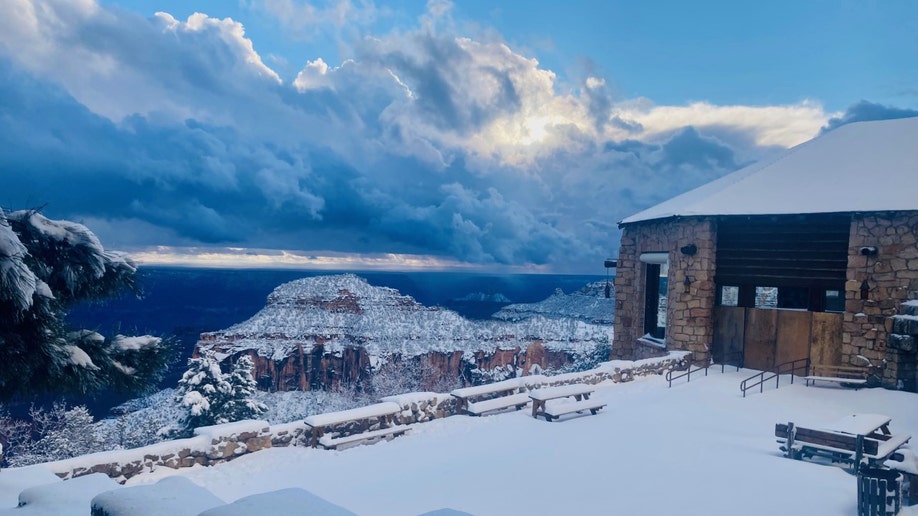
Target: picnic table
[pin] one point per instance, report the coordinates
(578, 391)
(370, 423)
(851, 439)
(481, 399)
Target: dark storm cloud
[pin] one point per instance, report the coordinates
(210, 184)
(865, 111)
(166, 132)
(688, 148)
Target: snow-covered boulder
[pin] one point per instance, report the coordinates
(171, 496)
(71, 497)
(284, 501)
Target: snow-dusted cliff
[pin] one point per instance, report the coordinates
(344, 322)
(345, 310)
(588, 304)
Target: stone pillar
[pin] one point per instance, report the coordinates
(891, 275)
(689, 314)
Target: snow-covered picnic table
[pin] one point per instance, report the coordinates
(363, 419)
(850, 439)
(579, 391)
(497, 395)
(861, 424)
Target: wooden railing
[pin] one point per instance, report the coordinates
(758, 380)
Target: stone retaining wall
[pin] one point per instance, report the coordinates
(217, 444)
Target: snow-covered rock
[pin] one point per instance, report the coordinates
(283, 501)
(332, 328)
(588, 304)
(63, 498)
(171, 496)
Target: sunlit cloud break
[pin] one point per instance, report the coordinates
(246, 258)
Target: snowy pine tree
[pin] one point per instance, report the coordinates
(242, 404)
(204, 392)
(47, 266)
(211, 397)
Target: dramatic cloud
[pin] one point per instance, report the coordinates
(865, 111)
(426, 143)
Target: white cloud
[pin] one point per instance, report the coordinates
(784, 126)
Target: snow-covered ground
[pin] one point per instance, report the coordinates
(697, 448)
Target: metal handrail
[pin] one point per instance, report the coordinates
(776, 372)
(688, 372)
(706, 365)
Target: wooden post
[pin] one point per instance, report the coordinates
(791, 432)
(858, 452)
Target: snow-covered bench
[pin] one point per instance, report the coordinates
(494, 396)
(843, 375)
(853, 439)
(579, 391)
(370, 423)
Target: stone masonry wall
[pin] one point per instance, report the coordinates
(216, 444)
(892, 276)
(689, 315)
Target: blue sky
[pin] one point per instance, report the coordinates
(473, 135)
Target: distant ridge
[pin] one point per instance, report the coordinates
(588, 304)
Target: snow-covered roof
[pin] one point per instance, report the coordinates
(859, 167)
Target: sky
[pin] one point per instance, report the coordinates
(409, 135)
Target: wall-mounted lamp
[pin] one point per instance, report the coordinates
(610, 264)
(689, 250)
(687, 284)
(867, 252)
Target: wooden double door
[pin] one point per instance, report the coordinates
(763, 338)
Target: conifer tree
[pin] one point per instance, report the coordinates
(214, 398)
(204, 392)
(242, 404)
(46, 267)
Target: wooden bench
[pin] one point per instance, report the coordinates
(482, 399)
(332, 443)
(861, 437)
(579, 391)
(843, 375)
(332, 430)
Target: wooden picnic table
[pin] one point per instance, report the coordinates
(850, 439)
(861, 424)
(579, 391)
(379, 414)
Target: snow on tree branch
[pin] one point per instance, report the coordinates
(46, 266)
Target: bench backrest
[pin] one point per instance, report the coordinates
(823, 438)
(853, 372)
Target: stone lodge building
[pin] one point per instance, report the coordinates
(814, 254)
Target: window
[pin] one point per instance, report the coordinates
(835, 301)
(729, 295)
(656, 288)
(766, 297)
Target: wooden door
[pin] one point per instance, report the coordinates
(729, 331)
(793, 336)
(826, 337)
(761, 331)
